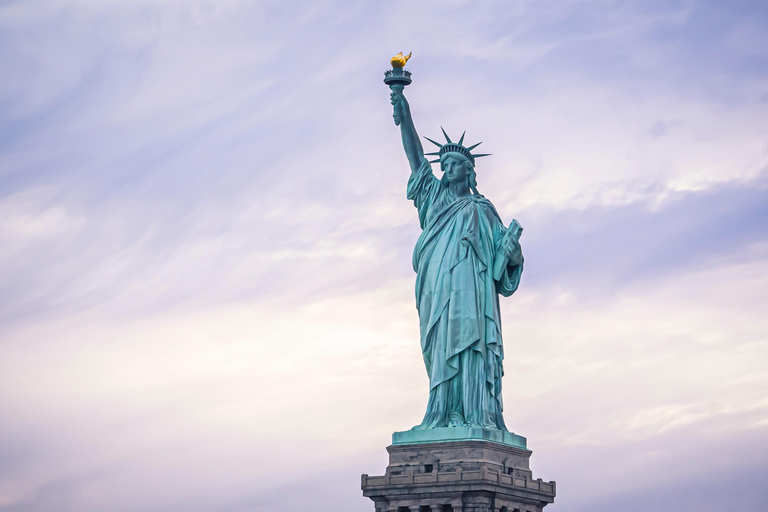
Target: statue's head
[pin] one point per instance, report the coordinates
(457, 168)
(456, 161)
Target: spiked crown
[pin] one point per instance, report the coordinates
(454, 147)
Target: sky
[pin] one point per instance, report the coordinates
(206, 293)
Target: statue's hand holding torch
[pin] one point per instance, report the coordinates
(399, 103)
(397, 78)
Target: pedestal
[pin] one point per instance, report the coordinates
(436, 435)
(466, 475)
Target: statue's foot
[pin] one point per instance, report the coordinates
(457, 420)
(487, 426)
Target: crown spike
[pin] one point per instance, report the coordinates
(470, 148)
(434, 161)
(461, 140)
(435, 153)
(484, 154)
(446, 136)
(433, 142)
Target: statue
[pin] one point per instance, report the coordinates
(464, 258)
(461, 457)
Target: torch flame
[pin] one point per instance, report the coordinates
(398, 61)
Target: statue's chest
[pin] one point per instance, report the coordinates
(462, 214)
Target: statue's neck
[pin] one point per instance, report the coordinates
(460, 189)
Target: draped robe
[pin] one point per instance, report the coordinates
(458, 303)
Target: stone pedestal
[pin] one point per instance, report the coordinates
(458, 476)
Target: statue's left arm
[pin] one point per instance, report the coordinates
(423, 186)
(403, 118)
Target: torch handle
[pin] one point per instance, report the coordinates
(397, 89)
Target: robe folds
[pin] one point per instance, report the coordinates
(458, 303)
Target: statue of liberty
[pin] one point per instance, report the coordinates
(464, 258)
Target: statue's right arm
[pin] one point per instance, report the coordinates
(411, 143)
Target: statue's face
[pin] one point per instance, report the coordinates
(455, 169)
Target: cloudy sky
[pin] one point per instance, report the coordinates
(206, 297)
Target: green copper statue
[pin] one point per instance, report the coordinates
(464, 258)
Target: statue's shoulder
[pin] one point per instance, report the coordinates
(487, 206)
(483, 201)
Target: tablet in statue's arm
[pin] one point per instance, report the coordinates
(501, 259)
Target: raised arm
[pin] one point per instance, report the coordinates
(411, 143)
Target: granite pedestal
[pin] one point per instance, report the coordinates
(468, 473)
